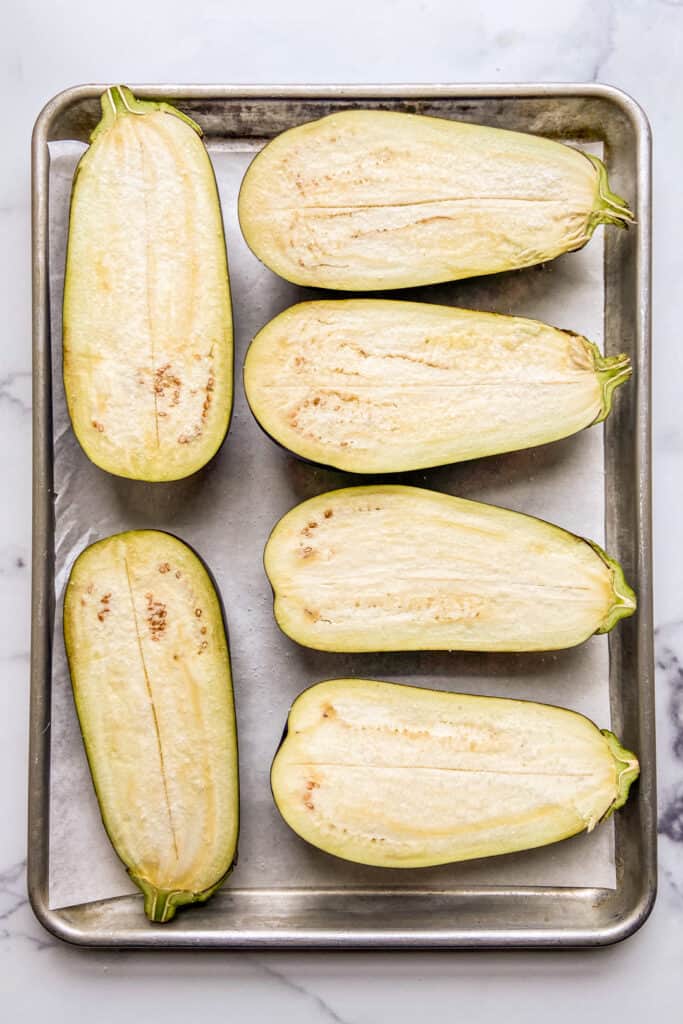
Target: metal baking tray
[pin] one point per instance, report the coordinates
(368, 909)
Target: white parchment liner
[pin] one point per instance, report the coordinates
(227, 511)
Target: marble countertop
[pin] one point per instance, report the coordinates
(633, 44)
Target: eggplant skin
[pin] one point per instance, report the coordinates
(147, 321)
(380, 386)
(394, 568)
(396, 776)
(150, 669)
(368, 199)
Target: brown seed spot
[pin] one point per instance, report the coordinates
(198, 612)
(175, 657)
(328, 513)
(312, 525)
(98, 426)
(308, 805)
(307, 551)
(165, 381)
(83, 601)
(177, 575)
(203, 630)
(156, 617)
(164, 567)
(104, 606)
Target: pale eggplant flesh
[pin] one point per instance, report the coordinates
(150, 670)
(379, 386)
(400, 777)
(393, 568)
(148, 346)
(371, 199)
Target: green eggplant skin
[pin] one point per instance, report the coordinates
(395, 568)
(396, 776)
(147, 320)
(150, 669)
(381, 386)
(363, 200)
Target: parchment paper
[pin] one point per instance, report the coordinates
(227, 511)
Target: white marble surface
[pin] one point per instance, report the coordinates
(45, 46)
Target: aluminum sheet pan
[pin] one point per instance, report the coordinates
(592, 889)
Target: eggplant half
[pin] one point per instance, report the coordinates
(370, 199)
(150, 671)
(392, 568)
(399, 777)
(147, 317)
(376, 386)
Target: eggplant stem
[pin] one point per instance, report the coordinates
(119, 101)
(609, 208)
(628, 770)
(624, 603)
(611, 371)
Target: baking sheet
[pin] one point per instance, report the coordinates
(226, 512)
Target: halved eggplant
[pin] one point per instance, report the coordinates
(391, 568)
(374, 386)
(147, 319)
(396, 776)
(368, 199)
(150, 670)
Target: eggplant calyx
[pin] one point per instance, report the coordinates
(624, 602)
(119, 101)
(627, 768)
(161, 904)
(609, 207)
(611, 371)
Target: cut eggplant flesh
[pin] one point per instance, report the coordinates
(369, 199)
(150, 670)
(147, 319)
(392, 568)
(376, 386)
(396, 776)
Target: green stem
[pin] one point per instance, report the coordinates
(624, 599)
(161, 904)
(628, 771)
(119, 101)
(611, 371)
(609, 207)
